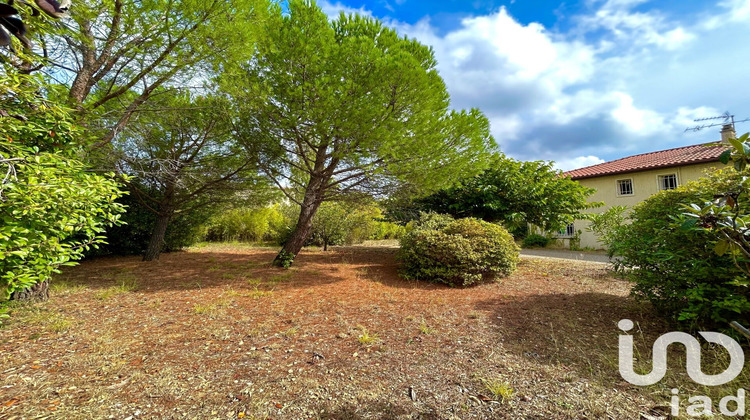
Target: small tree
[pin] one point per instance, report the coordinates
(119, 54)
(514, 193)
(330, 225)
(182, 158)
(350, 106)
(606, 223)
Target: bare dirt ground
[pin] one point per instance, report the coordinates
(217, 332)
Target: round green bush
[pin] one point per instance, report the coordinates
(461, 252)
(535, 241)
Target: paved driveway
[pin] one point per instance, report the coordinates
(599, 257)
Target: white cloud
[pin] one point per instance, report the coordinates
(621, 81)
(577, 162)
(333, 10)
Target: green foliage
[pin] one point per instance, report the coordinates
(142, 46)
(53, 209)
(339, 223)
(676, 268)
(346, 106)
(535, 241)
(387, 230)
(247, 225)
(606, 223)
(284, 259)
(728, 215)
(133, 235)
(184, 158)
(430, 221)
(514, 193)
(462, 252)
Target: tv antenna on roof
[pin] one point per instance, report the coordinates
(727, 117)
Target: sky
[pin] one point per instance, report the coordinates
(583, 82)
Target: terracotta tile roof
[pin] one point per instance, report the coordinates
(688, 155)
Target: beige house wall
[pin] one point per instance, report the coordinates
(645, 184)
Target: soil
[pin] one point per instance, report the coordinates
(217, 332)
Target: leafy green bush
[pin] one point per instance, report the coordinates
(459, 252)
(606, 223)
(535, 241)
(132, 237)
(387, 230)
(430, 221)
(245, 224)
(336, 223)
(676, 268)
(53, 207)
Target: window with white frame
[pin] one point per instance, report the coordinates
(625, 187)
(569, 230)
(667, 182)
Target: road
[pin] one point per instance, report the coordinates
(599, 257)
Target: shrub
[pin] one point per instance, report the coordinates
(535, 241)
(430, 221)
(606, 223)
(132, 237)
(246, 225)
(387, 230)
(460, 252)
(676, 268)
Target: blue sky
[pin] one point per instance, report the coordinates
(580, 82)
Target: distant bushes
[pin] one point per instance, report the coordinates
(246, 225)
(335, 223)
(535, 241)
(459, 252)
(132, 237)
(677, 268)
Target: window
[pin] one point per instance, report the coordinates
(667, 182)
(625, 187)
(569, 230)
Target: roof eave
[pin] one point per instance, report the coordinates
(651, 168)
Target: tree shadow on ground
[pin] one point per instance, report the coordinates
(576, 331)
(239, 269)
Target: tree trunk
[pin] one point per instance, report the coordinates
(296, 241)
(156, 243)
(36, 293)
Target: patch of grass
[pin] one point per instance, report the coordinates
(257, 294)
(210, 308)
(290, 332)
(473, 315)
(281, 278)
(64, 286)
(55, 322)
(501, 390)
(200, 308)
(367, 338)
(254, 281)
(126, 285)
(228, 276)
(59, 324)
(425, 329)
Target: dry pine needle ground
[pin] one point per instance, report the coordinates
(216, 332)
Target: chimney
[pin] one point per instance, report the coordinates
(727, 132)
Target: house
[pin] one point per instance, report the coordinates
(632, 179)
